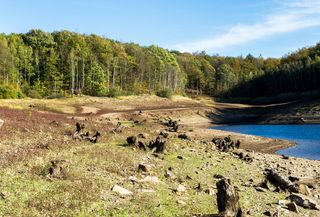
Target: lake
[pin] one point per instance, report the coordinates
(306, 136)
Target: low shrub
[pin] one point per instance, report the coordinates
(114, 92)
(165, 93)
(9, 92)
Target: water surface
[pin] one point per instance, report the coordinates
(306, 136)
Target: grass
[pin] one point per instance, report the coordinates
(93, 169)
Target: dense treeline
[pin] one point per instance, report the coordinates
(297, 72)
(41, 64)
(58, 63)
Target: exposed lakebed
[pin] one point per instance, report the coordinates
(306, 136)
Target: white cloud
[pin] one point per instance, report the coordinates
(292, 16)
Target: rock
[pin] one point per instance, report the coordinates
(147, 191)
(304, 201)
(198, 188)
(261, 189)
(4, 195)
(267, 213)
(164, 133)
(134, 179)
(183, 136)
(151, 179)
(285, 157)
(181, 202)
(143, 135)
(293, 207)
(180, 189)
(143, 168)
(209, 191)
(303, 189)
(283, 202)
(188, 177)
(227, 199)
(131, 140)
(120, 190)
(169, 174)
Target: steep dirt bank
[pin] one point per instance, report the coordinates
(303, 111)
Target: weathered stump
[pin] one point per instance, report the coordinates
(228, 199)
(118, 128)
(58, 169)
(95, 137)
(159, 145)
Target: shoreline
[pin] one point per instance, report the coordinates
(202, 131)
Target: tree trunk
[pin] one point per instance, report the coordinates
(72, 71)
(114, 73)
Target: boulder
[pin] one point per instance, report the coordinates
(120, 190)
(180, 189)
(143, 168)
(4, 195)
(131, 140)
(151, 179)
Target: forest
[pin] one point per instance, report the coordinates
(39, 64)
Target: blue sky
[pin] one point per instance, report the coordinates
(226, 27)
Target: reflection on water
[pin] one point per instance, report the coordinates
(306, 136)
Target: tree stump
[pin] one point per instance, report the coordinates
(228, 199)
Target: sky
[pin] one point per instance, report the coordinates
(271, 28)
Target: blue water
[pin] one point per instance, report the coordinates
(307, 137)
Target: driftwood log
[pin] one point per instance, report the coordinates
(283, 182)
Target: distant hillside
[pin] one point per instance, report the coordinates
(40, 64)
